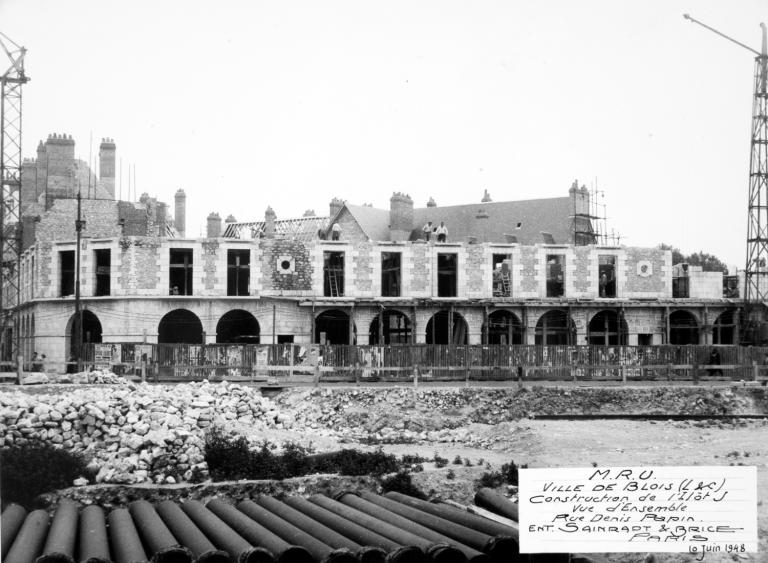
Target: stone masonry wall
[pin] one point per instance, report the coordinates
(58, 223)
(210, 259)
(581, 278)
(363, 267)
(273, 280)
(647, 273)
(420, 272)
(529, 270)
(476, 267)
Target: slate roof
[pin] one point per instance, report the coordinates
(491, 221)
(373, 222)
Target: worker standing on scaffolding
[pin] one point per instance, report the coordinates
(336, 231)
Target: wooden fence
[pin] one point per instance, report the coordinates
(438, 362)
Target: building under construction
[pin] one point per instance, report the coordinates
(513, 272)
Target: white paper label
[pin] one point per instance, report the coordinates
(638, 509)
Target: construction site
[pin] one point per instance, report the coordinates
(356, 385)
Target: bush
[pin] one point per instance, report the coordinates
(227, 457)
(509, 472)
(491, 479)
(401, 482)
(457, 460)
(31, 470)
(440, 461)
(451, 474)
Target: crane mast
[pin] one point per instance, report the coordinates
(11, 82)
(756, 267)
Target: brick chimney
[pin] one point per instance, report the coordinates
(335, 206)
(180, 214)
(107, 165)
(400, 216)
(214, 225)
(269, 223)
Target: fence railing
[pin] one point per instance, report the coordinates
(439, 362)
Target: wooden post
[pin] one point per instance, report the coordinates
(290, 361)
(466, 375)
(695, 373)
(316, 378)
(624, 374)
(669, 372)
(755, 371)
(416, 376)
(20, 369)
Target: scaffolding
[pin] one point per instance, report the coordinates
(11, 83)
(589, 223)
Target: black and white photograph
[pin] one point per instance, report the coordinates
(337, 281)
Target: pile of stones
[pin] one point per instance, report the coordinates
(135, 433)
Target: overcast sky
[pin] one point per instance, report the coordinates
(290, 103)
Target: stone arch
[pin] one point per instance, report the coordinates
(180, 326)
(238, 326)
(724, 328)
(395, 328)
(92, 331)
(683, 328)
(503, 327)
(555, 327)
(607, 328)
(334, 324)
(444, 329)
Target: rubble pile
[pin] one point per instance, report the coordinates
(135, 433)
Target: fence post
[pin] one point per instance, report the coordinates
(669, 372)
(524, 371)
(466, 376)
(316, 379)
(20, 369)
(290, 361)
(695, 374)
(143, 371)
(415, 376)
(755, 371)
(623, 374)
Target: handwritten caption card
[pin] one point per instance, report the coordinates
(638, 509)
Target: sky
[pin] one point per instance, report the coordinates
(249, 104)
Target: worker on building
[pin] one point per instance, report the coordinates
(442, 232)
(336, 231)
(427, 230)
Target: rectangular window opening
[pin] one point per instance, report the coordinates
(285, 339)
(390, 274)
(644, 339)
(67, 263)
(447, 269)
(502, 275)
(555, 275)
(180, 271)
(333, 274)
(238, 271)
(103, 271)
(606, 266)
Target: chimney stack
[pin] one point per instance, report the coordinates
(107, 166)
(400, 216)
(335, 206)
(180, 217)
(214, 226)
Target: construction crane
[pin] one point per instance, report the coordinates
(12, 81)
(753, 321)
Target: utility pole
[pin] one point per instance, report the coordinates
(756, 268)
(79, 224)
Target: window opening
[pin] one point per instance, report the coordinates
(180, 271)
(67, 263)
(238, 271)
(555, 275)
(446, 275)
(606, 273)
(390, 274)
(502, 275)
(103, 271)
(333, 274)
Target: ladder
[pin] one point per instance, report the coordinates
(333, 283)
(506, 283)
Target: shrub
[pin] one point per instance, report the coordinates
(401, 482)
(451, 474)
(31, 470)
(509, 472)
(440, 461)
(467, 462)
(491, 479)
(457, 460)
(227, 457)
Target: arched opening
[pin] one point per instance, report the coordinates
(555, 328)
(683, 328)
(238, 327)
(444, 329)
(607, 328)
(332, 327)
(180, 327)
(393, 326)
(724, 329)
(503, 327)
(91, 331)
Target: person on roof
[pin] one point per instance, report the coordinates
(442, 232)
(427, 230)
(336, 231)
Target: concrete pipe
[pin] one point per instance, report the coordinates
(94, 545)
(124, 539)
(396, 553)
(257, 534)
(496, 502)
(365, 554)
(60, 544)
(159, 540)
(225, 537)
(458, 515)
(353, 500)
(189, 535)
(500, 549)
(10, 524)
(290, 533)
(28, 543)
(438, 552)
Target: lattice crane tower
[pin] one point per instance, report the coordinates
(756, 268)
(11, 81)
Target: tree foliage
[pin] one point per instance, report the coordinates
(708, 262)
